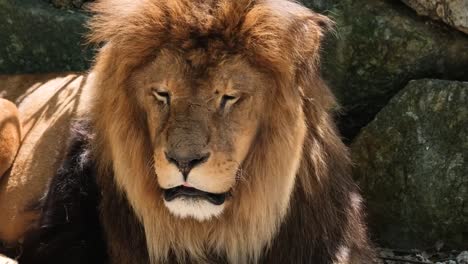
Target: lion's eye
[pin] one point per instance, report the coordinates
(227, 100)
(162, 96)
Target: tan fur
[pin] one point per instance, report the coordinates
(47, 104)
(10, 134)
(135, 33)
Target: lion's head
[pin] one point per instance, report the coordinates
(202, 117)
(204, 110)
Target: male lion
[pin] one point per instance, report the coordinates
(209, 139)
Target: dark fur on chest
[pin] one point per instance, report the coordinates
(69, 230)
(85, 219)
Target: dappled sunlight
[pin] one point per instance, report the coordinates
(47, 107)
(46, 100)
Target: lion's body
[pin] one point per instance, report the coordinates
(46, 104)
(75, 195)
(10, 134)
(234, 82)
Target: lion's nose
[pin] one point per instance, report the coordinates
(186, 162)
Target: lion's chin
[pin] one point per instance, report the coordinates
(198, 209)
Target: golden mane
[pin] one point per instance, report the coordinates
(279, 37)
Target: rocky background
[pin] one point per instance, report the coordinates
(400, 72)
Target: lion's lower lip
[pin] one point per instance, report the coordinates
(188, 192)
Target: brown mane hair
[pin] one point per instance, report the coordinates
(278, 37)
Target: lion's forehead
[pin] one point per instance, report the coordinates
(174, 71)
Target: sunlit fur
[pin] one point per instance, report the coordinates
(296, 142)
(10, 134)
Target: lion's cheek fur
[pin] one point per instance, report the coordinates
(295, 162)
(131, 173)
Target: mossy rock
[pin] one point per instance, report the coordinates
(36, 37)
(322, 6)
(377, 48)
(451, 12)
(412, 165)
(68, 3)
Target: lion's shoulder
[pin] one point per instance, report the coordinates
(46, 106)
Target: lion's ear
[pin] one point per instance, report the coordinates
(309, 31)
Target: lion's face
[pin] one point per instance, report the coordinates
(201, 120)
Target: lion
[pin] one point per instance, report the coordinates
(209, 138)
(10, 134)
(47, 104)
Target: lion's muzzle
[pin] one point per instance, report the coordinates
(185, 162)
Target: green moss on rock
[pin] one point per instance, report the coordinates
(411, 163)
(36, 37)
(381, 45)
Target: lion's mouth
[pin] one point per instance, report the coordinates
(193, 193)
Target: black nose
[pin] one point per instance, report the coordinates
(186, 162)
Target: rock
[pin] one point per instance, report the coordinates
(452, 12)
(378, 47)
(412, 166)
(36, 37)
(447, 262)
(68, 3)
(462, 258)
(320, 5)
